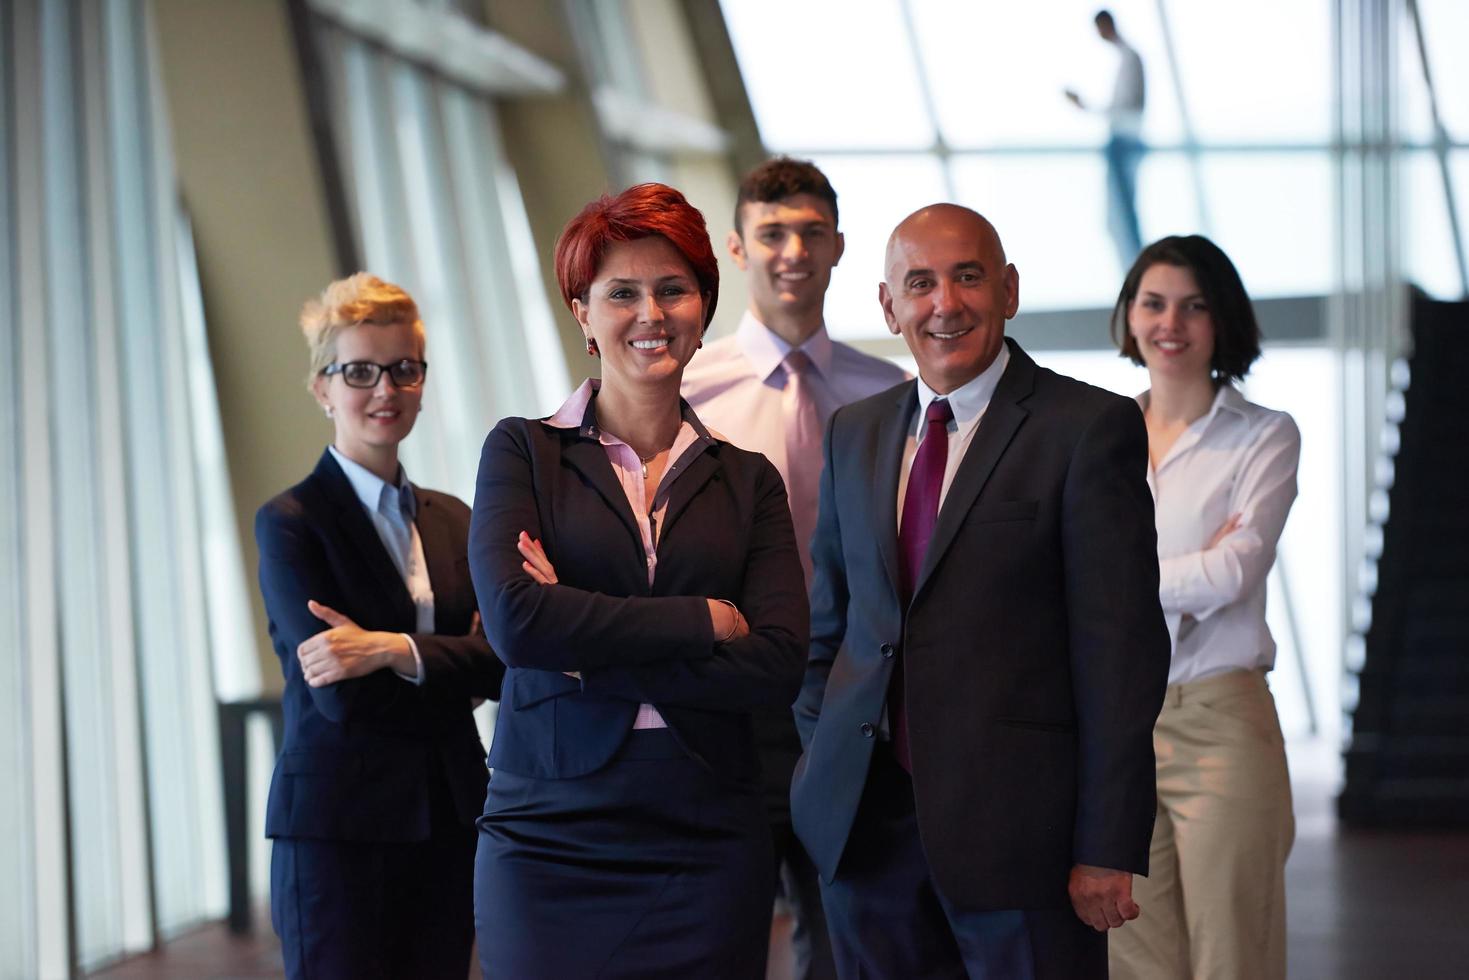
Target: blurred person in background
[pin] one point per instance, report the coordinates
(771, 387)
(641, 582)
(1223, 475)
(1124, 150)
(372, 614)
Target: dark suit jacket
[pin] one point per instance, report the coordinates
(726, 534)
(1035, 649)
(358, 755)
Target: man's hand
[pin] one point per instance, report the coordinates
(347, 650)
(1102, 897)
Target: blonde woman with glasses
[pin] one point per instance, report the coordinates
(366, 584)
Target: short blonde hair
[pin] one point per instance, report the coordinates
(358, 299)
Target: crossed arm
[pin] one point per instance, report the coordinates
(689, 651)
(342, 663)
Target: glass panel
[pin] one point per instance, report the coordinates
(1272, 212)
(1428, 245)
(1304, 381)
(440, 213)
(1459, 176)
(817, 70)
(1050, 212)
(92, 787)
(17, 861)
(1167, 195)
(1414, 116)
(1255, 71)
(873, 195)
(1446, 35)
(1038, 50)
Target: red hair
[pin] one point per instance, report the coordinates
(642, 211)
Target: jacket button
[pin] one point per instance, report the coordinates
(867, 729)
(887, 651)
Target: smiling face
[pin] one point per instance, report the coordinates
(370, 422)
(1171, 323)
(949, 292)
(788, 248)
(644, 311)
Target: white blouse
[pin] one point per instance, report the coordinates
(1240, 459)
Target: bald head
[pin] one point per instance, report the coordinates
(942, 221)
(947, 290)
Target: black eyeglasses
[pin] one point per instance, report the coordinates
(365, 374)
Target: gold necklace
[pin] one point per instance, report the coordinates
(645, 460)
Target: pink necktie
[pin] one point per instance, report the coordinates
(920, 513)
(803, 451)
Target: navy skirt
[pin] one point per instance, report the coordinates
(649, 867)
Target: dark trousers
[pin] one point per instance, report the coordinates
(802, 887)
(375, 910)
(888, 920)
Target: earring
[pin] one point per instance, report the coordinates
(328, 410)
(592, 347)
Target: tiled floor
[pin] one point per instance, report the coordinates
(1363, 906)
(1370, 905)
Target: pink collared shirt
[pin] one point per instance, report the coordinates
(736, 385)
(629, 471)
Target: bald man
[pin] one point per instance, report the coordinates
(988, 654)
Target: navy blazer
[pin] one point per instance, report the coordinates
(1034, 645)
(726, 534)
(357, 756)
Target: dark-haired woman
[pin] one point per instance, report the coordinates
(1223, 473)
(641, 582)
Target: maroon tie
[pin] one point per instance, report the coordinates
(920, 512)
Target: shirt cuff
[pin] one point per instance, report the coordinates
(417, 676)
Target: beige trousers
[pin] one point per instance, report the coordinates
(1213, 904)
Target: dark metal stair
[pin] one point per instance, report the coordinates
(1407, 764)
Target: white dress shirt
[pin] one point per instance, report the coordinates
(1125, 111)
(736, 384)
(392, 509)
(1240, 459)
(968, 403)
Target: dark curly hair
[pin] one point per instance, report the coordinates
(779, 178)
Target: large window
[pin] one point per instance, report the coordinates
(1433, 172)
(435, 207)
(110, 830)
(905, 102)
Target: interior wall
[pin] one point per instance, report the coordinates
(248, 176)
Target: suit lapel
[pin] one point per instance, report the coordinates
(589, 458)
(362, 538)
(686, 485)
(1001, 420)
(438, 549)
(888, 460)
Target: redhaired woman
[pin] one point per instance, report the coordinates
(642, 585)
